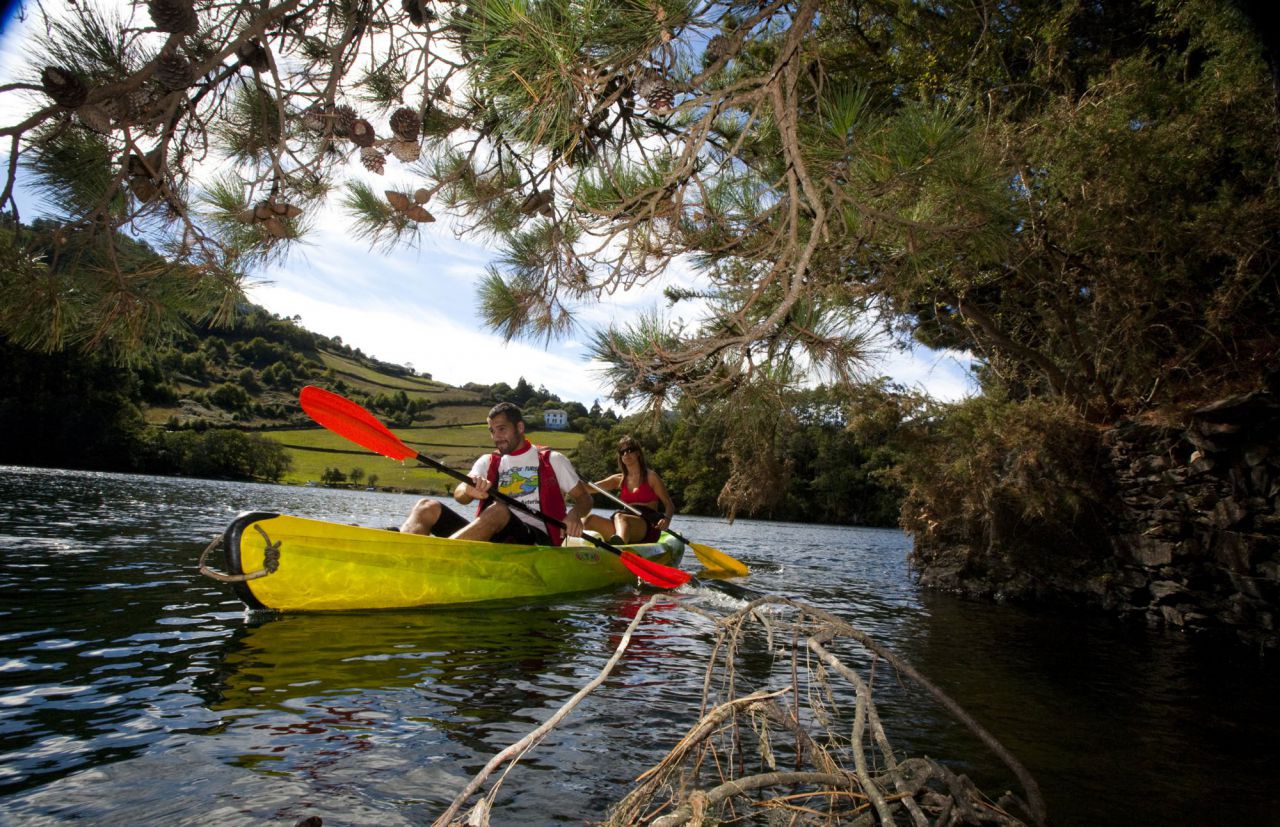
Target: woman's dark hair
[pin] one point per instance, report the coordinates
(631, 442)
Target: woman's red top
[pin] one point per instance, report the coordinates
(646, 496)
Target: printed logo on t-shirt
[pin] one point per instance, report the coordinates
(519, 482)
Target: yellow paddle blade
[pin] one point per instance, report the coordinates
(715, 559)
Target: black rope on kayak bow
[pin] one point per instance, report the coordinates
(270, 561)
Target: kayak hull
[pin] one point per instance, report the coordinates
(298, 565)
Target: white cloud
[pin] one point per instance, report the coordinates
(943, 374)
(417, 307)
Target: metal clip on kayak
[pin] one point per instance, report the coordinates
(270, 561)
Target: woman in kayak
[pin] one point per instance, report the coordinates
(639, 486)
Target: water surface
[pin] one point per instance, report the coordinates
(134, 690)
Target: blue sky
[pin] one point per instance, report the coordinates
(418, 306)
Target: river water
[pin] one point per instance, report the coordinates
(135, 691)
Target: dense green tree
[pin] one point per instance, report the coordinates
(1050, 184)
(216, 454)
(1085, 195)
(229, 397)
(827, 467)
(67, 411)
(248, 380)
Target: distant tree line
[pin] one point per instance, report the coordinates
(76, 411)
(827, 465)
(535, 402)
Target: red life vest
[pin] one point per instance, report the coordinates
(550, 497)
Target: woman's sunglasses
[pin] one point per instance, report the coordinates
(625, 451)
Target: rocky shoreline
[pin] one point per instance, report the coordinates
(1184, 530)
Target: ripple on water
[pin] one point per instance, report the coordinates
(144, 693)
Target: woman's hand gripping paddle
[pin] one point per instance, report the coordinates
(349, 420)
(713, 558)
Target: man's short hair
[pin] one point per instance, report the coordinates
(508, 409)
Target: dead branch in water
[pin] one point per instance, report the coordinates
(787, 753)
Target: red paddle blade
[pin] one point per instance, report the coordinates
(664, 577)
(347, 419)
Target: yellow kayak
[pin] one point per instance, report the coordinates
(290, 564)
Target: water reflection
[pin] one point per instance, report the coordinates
(134, 690)
(274, 661)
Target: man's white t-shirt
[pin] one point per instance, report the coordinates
(518, 479)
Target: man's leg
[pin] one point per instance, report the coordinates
(432, 517)
(492, 520)
(503, 527)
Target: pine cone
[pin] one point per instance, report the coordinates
(362, 133)
(717, 47)
(174, 16)
(398, 200)
(646, 81)
(421, 195)
(314, 118)
(406, 151)
(419, 12)
(133, 107)
(405, 123)
(96, 117)
(64, 87)
(661, 99)
(344, 117)
(373, 159)
(419, 213)
(538, 202)
(254, 55)
(174, 72)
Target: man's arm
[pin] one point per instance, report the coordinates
(582, 503)
(477, 488)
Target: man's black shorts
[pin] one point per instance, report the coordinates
(515, 532)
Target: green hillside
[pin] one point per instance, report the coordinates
(223, 402)
(313, 450)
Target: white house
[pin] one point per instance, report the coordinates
(555, 419)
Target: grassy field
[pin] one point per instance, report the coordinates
(455, 433)
(450, 405)
(315, 449)
(362, 376)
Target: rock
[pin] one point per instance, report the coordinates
(1257, 455)
(1162, 590)
(1236, 551)
(1201, 464)
(1227, 513)
(1151, 551)
(1260, 480)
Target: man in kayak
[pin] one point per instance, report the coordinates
(539, 477)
